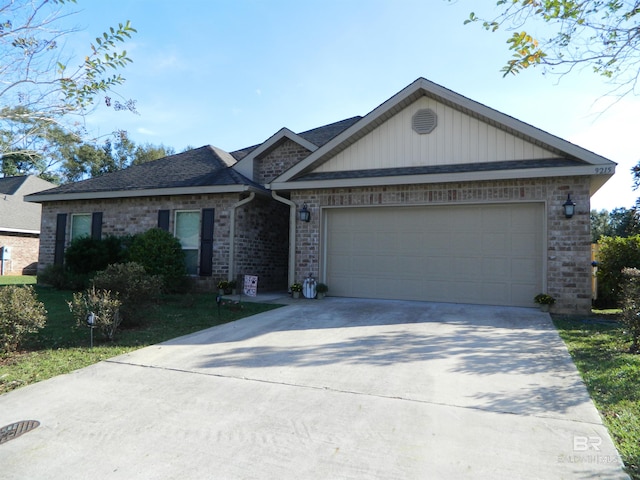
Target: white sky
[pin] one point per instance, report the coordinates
(231, 73)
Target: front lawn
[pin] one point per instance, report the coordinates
(60, 347)
(599, 348)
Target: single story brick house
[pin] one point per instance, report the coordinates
(430, 196)
(19, 224)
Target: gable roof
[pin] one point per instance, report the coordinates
(311, 140)
(201, 170)
(582, 161)
(316, 136)
(16, 215)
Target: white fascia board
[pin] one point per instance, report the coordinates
(156, 192)
(245, 166)
(19, 230)
(586, 170)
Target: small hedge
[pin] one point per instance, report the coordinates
(615, 254)
(160, 253)
(631, 306)
(20, 313)
(136, 289)
(103, 304)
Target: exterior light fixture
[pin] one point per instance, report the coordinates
(305, 214)
(569, 207)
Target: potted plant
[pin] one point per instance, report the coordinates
(222, 286)
(296, 288)
(544, 300)
(321, 290)
(232, 286)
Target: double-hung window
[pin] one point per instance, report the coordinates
(80, 225)
(187, 231)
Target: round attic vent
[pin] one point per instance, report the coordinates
(424, 121)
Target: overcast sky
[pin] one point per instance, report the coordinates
(232, 73)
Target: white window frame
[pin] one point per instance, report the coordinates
(189, 248)
(73, 235)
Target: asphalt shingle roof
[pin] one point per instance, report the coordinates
(200, 167)
(318, 136)
(16, 215)
(439, 169)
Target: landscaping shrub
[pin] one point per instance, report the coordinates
(105, 306)
(20, 313)
(615, 254)
(160, 253)
(136, 289)
(86, 255)
(631, 306)
(61, 278)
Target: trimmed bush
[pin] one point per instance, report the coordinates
(615, 254)
(86, 255)
(20, 313)
(160, 253)
(631, 305)
(136, 289)
(105, 306)
(61, 278)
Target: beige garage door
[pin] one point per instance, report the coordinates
(487, 254)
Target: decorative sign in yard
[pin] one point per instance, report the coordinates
(250, 287)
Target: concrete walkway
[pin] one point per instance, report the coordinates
(331, 389)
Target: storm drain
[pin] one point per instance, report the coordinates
(14, 430)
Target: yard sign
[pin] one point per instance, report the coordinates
(250, 288)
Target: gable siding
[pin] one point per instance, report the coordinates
(457, 139)
(277, 161)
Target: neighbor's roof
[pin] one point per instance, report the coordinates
(201, 170)
(16, 215)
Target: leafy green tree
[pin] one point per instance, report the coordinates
(41, 92)
(600, 34)
(90, 160)
(148, 153)
(620, 222)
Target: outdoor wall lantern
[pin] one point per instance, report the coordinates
(569, 207)
(305, 214)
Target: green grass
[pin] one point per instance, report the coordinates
(599, 347)
(61, 347)
(17, 280)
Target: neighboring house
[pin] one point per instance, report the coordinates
(19, 225)
(431, 196)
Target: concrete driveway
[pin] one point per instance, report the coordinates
(331, 389)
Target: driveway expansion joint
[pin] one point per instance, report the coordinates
(351, 392)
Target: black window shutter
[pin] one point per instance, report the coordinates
(96, 226)
(206, 243)
(61, 228)
(163, 220)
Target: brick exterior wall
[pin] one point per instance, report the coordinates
(127, 216)
(568, 246)
(277, 161)
(24, 253)
(262, 243)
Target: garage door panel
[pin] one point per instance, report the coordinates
(494, 243)
(496, 268)
(488, 254)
